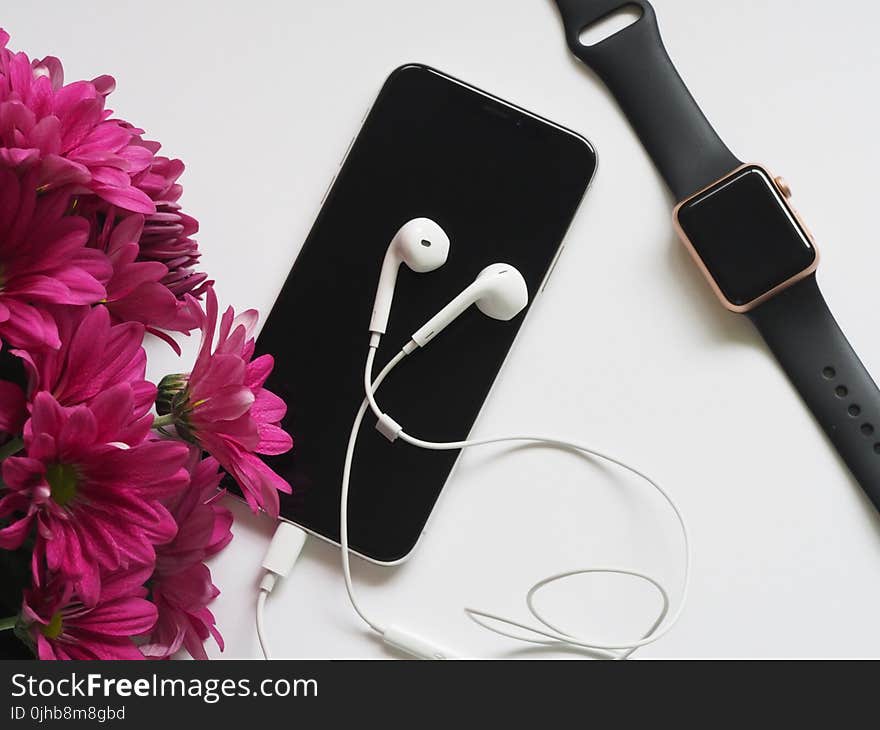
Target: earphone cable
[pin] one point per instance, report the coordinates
(346, 478)
(547, 633)
(261, 624)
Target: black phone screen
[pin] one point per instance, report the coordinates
(504, 185)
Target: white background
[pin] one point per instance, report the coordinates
(627, 348)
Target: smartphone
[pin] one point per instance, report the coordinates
(504, 184)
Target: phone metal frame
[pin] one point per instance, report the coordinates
(583, 140)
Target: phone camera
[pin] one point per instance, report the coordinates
(426, 243)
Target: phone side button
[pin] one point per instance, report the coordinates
(552, 269)
(345, 156)
(341, 163)
(327, 192)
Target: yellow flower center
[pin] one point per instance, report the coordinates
(53, 629)
(62, 480)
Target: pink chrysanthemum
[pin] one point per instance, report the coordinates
(43, 261)
(181, 585)
(93, 357)
(167, 235)
(136, 290)
(63, 627)
(95, 500)
(65, 134)
(223, 407)
(62, 134)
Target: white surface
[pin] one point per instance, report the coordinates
(627, 348)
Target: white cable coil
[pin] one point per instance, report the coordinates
(546, 633)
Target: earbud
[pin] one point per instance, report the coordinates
(499, 291)
(423, 246)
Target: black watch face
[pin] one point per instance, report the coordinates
(746, 235)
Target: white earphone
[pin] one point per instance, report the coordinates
(420, 244)
(500, 292)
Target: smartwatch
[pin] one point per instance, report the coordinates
(739, 226)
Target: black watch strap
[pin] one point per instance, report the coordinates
(634, 65)
(804, 336)
(796, 323)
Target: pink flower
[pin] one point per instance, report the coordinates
(94, 356)
(223, 407)
(184, 620)
(43, 261)
(64, 133)
(135, 291)
(95, 500)
(181, 585)
(207, 523)
(63, 627)
(167, 234)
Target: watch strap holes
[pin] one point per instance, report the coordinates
(854, 410)
(611, 24)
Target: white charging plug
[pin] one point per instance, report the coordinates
(281, 555)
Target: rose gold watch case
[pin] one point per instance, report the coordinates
(748, 306)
